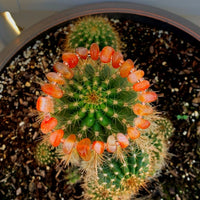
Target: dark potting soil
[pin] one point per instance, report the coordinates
(171, 62)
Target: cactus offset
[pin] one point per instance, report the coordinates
(45, 154)
(165, 127)
(92, 29)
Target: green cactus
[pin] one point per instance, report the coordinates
(96, 104)
(120, 180)
(45, 154)
(92, 29)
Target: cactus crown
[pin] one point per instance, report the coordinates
(96, 103)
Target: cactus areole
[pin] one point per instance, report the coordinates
(101, 106)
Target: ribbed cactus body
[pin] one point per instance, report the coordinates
(96, 103)
(92, 29)
(118, 179)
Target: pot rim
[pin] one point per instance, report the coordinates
(96, 8)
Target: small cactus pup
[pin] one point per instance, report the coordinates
(166, 127)
(92, 29)
(45, 154)
(98, 115)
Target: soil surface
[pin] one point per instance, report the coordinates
(171, 61)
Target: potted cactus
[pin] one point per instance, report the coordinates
(104, 108)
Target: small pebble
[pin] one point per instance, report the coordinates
(185, 133)
(3, 147)
(27, 84)
(32, 187)
(18, 191)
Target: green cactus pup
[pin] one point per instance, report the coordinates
(165, 126)
(45, 154)
(90, 29)
(98, 114)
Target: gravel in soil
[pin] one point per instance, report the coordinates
(171, 62)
